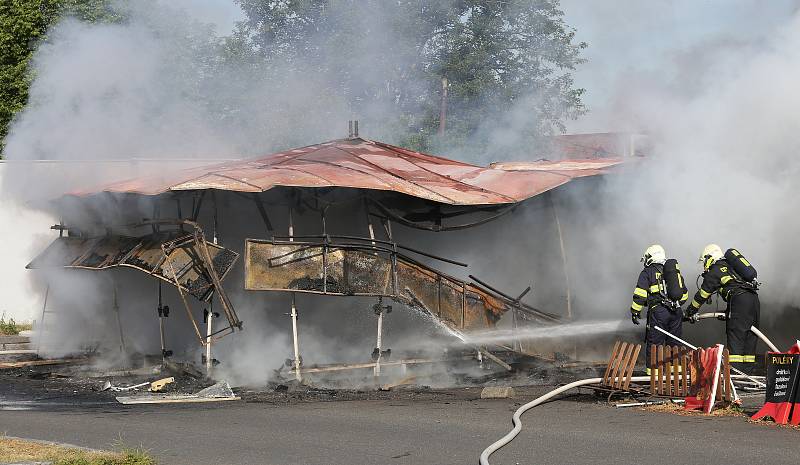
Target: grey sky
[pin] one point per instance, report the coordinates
(657, 38)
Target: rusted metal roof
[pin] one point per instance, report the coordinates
(574, 168)
(363, 164)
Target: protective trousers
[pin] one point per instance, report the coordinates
(671, 321)
(744, 310)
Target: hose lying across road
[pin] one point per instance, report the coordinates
(516, 419)
(484, 460)
(539, 400)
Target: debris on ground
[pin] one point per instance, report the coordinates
(158, 385)
(402, 382)
(497, 392)
(218, 392)
(677, 408)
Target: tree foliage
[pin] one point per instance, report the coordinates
(507, 63)
(23, 25)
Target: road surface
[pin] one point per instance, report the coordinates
(438, 430)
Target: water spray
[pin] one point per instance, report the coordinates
(569, 329)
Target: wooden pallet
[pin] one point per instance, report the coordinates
(620, 366)
(671, 373)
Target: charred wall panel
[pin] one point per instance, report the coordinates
(142, 253)
(359, 270)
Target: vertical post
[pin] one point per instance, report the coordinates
(209, 318)
(324, 254)
(463, 304)
(653, 367)
(180, 212)
(291, 226)
(568, 287)
(388, 226)
(715, 384)
(369, 223)
(161, 324)
(210, 312)
(41, 321)
(567, 284)
(377, 370)
(295, 339)
(119, 325)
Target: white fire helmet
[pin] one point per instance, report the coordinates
(654, 254)
(711, 253)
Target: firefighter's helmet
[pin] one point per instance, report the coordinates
(711, 253)
(654, 254)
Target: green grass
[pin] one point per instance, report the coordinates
(19, 450)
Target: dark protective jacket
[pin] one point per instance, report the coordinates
(721, 279)
(650, 289)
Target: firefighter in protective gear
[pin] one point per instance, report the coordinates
(651, 293)
(743, 305)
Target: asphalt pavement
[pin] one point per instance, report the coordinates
(446, 430)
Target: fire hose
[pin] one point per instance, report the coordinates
(702, 316)
(484, 459)
(517, 421)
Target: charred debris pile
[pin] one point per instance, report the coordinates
(342, 220)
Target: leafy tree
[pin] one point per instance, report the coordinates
(506, 64)
(23, 25)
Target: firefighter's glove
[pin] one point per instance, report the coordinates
(691, 317)
(635, 317)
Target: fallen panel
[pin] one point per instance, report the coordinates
(185, 260)
(219, 392)
(171, 399)
(142, 253)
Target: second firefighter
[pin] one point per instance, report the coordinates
(660, 289)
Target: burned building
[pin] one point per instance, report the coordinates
(319, 220)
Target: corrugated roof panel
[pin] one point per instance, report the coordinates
(365, 164)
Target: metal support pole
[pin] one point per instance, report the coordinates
(568, 287)
(295, 339)
(377, 370)
(210, 312)
(369, 224)
(41, 321)
(209, 326)
(119, 325)
(163, 312)
(324, 254)
(209, 315)
(516, 344)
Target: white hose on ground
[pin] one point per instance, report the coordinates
(516, 419)
(484, 460)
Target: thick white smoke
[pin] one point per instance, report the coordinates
(718, 99)
(719, 114)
